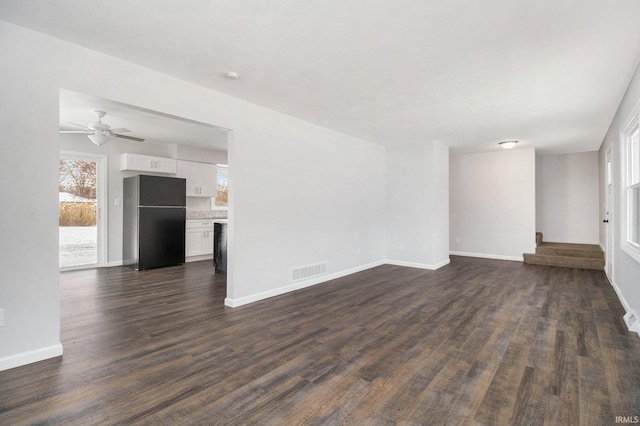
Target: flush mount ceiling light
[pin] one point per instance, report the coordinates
(507, 144)
(231, 75)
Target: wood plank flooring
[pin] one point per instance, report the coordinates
(478, 342)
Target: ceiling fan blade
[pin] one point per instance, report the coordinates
(120, 130)
(80, 132)
(80, 125)
(132, 138)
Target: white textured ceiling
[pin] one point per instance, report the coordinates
(468, 73)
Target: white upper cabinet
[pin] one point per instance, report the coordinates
(147, 163)
(201, 178)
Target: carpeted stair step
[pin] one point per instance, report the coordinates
(566, 261)
(575, 250)
(538, 238)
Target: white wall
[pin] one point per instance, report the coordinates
(626, 271)
(492, 204)
(567, 198)
(298, 193)
(28, 170)
(418, 205)
(310, 195)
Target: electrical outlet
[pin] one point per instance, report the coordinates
(458, 240)
(116, 201)
(358, 250)
(401, 247)
(1, 317)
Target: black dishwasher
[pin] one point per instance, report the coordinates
(220, 247)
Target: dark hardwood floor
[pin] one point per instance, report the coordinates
(479, 341)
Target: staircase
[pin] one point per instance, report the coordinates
(583, 256)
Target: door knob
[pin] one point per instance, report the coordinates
(606, 221)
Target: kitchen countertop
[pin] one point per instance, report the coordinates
(207, 215)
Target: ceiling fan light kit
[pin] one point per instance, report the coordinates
(99, 138)
(99, 132)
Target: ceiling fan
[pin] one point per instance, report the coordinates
(100, 132)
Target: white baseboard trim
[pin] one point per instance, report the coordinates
(627, 307)
(487, 256)
(621, 298)
(602, 247)
(30, 357)
(418, 265)
(234, 303)
(114, 263)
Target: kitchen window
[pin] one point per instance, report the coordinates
(222, 185)
(630, 197)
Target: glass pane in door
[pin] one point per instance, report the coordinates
(634, 215)
(78, 241)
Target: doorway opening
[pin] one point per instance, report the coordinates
(80, 211)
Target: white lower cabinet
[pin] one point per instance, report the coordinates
(199, 239)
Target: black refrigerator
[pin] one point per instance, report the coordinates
(154, 216)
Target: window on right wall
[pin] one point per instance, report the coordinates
(630, 173)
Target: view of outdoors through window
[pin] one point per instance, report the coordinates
(77, 203)
(222, 196)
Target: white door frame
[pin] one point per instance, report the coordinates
(101, 204)
(609, 215)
